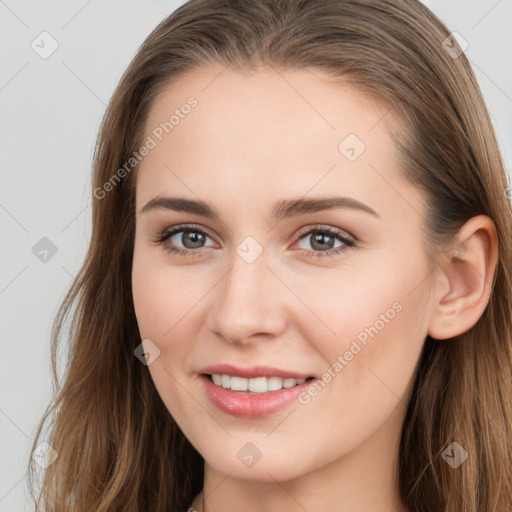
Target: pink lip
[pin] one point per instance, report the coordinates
(244, 404)
(255, 371)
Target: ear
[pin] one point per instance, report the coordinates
(465, 280)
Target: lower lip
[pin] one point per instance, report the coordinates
(249, 405)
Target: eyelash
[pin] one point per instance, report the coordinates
(168, 233)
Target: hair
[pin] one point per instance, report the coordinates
(118, 447)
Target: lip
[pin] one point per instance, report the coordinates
(252, 372)
(246, 405)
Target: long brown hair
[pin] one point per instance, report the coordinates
(118, 447)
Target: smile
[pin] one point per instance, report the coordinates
(271, 395)
(255, 385)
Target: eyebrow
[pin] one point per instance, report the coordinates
(285, 209)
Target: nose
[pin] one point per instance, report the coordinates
(248, 303)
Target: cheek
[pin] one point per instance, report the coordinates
(346, 304)
(167, 302)
(154, 297)
(161, 301)
(161, 293)
(373, 327)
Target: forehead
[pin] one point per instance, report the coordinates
(249, 108)
(265, 130)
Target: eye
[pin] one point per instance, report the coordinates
(190, 236)
(323, 240)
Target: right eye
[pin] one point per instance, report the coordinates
(186, 235)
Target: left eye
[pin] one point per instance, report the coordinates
(193, 239)
(324, 240)
(323, 237)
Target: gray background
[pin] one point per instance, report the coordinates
(51, 110)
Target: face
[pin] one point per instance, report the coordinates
(334, 292)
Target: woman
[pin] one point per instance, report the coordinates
(297, 293)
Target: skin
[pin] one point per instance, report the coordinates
(252, 141)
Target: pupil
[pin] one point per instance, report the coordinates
(192, 237)
(319, 238)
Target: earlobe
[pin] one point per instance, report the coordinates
(467, 280)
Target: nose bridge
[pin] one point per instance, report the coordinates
(246, 301)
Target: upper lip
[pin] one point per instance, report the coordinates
(253, 372)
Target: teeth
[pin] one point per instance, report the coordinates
(255, 385)
(225, 381)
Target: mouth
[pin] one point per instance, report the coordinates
(255, 385)
(253, 397)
